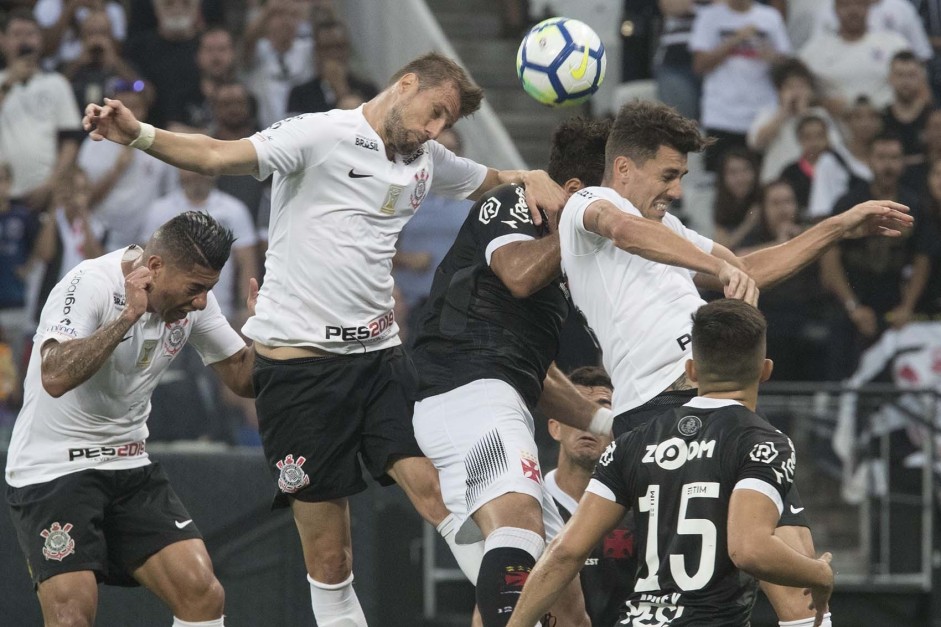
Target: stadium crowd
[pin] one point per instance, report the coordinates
(814, 106)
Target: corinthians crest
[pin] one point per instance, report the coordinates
(59, 544)
(292, 477)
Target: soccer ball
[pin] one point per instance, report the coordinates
(561, 62)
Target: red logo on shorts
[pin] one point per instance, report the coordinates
(530, 467)
(292, 477)
(59, 544)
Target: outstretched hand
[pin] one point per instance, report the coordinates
(876, 217)
(113, 121)
(543, 193)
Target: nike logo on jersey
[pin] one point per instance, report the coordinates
(796, 510)
(180, 524)
(354, 175)
(126, 338)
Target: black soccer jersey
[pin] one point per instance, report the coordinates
(472, 327)
(608, 574)
(678, 473)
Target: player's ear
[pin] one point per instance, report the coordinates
(407, 81)
(766, 368)
(623, 166)
(691, 370)
(555, 429)
(572, 185)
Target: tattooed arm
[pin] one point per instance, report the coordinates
(66, 365)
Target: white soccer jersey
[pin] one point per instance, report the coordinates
(102, 422)
(338, 205)
(228, 211)
(639, 309)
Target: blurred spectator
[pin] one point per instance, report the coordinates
(350, 101)
(677, 84)
(929, 11)
(334, 80)
(276, 57)
(733, 45)
(932, 136)
(862, 123)
(124, 181)
(233, 113)
(921, 294)
(795, 308)
(215, 59)
(911, 104)
(98, 65)
(197, 193)
(167, 57)
(69, 233)
(36, 109)
(735, 209)
(142, 15)
(427, 237)
(853, 61)
(18, 229)
(898, 16)
(812, 136)
(62, 21)
(773, 133)
(865, 274)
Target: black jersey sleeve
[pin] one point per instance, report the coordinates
(767, 455)
(502, 217)
(615, 470)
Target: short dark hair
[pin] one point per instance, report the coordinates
(577, 151)
(811, 118)
(192, 239)
(641, 128)
(729, 341)
(905, 56)
(790, 67)
(591, 377)
(22, 14)
(433, 69)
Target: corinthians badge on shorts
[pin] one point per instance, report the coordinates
(59, 544)
(292, 477)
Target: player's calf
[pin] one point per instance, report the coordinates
(509, 556)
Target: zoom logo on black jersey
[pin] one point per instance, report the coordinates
(673, 453)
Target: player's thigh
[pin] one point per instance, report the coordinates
(480, 438)
(326, 539)
(388, 433)
(181, 575)
(146, 518)
(59, 524)
(512, 509)
(69, 599)
(310, 420)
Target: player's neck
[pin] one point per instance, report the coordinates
(572, 478)
(747, 397)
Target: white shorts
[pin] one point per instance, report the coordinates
(480, 437)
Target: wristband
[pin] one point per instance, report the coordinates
(601, 422)
(145, 138)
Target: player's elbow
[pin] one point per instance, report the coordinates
(520, 288)
(52, 384)
(745, 551)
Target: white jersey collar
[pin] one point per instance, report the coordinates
(703, 402)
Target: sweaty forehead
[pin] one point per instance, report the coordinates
(446, 95)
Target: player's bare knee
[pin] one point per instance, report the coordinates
(331, 565)
(69, 613)
(199, 595)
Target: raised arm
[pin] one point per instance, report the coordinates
(772, 265)
(236, 371)
(565, 556)
(198, 153)
(755, 549)
(541, 191)
(653, 241)
(561, 401)
(528, 266)
(66, 365)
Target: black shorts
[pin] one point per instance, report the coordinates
(319, 416)
(793, 514)
(105, 521)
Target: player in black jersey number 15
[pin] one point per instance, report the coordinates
(707, 482)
